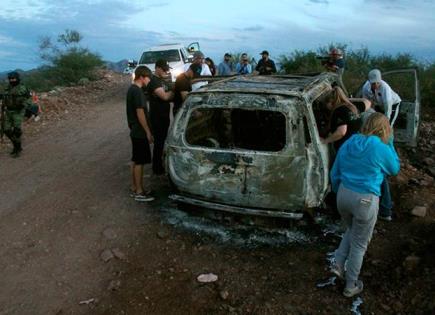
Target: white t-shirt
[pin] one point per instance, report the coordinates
(205, 70)
(384, 96)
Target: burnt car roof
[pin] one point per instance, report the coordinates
(293, 85)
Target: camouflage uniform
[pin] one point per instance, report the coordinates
(16, 99)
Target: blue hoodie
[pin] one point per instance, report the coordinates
(362, 162)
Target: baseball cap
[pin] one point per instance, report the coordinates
(375, 76)
(227, 55)
(198, 54)
(264, 52)
(162, 63)
(336, 51)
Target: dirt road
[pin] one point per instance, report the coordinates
(70, 233)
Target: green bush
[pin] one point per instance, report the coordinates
(40, 80)
(65, 65)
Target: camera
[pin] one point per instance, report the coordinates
(325, 60)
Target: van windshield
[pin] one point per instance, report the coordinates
(150, 57)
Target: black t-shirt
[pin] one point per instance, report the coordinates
(135, 100)
(159, 109)
(262, 65)
(344, 116)
(182, 84)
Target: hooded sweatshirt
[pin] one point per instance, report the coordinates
(362, 162)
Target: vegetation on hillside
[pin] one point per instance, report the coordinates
(359, 62)
(66, 62)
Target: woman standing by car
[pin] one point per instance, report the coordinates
(211, 65)
(344, 119)
(356, 176)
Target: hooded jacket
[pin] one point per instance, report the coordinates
(362, 162)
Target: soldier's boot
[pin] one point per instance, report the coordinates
(10, 135)
(16, 141)
(17, 149)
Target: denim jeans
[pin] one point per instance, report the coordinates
(386, 204)
(359, 213)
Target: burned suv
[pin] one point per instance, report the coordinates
(251, 145)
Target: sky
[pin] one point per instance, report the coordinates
(118, 29)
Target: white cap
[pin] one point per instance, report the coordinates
(375, 76)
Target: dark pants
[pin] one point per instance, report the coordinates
(385, 202)
(160, 126)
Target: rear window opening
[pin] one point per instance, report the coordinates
(233, 128)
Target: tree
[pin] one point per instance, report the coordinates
(71, 62)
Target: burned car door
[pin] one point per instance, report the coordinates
(318, 158)
(405, 83)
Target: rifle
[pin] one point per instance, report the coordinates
(2, 117)
(325, 61)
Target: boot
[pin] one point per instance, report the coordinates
(17, 149)
(14, 151)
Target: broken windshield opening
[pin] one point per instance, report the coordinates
(234, 128)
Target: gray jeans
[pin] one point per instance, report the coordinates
(358, 213)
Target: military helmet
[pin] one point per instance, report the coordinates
(13, 75)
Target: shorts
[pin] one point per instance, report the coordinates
(141, 153)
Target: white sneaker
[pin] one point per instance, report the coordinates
(337, 270)
(142, 197)
(349, 292)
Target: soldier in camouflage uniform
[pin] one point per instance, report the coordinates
(15, 100)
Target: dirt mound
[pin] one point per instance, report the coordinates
(72, 102)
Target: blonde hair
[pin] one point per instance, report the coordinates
(339, 98)
(378, 125)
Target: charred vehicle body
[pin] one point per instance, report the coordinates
(251, 145)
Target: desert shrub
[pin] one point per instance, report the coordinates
(427, 85)
(41, 80)
(66, 62)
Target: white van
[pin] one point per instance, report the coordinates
(176, 54)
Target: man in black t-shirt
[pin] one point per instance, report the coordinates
(159, 98)
(265, 66)
(183, 85)
(140, 133)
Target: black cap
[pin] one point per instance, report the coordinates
(227, 55)
(264, 52)
(162, 63)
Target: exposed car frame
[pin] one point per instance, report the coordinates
(218, 173)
